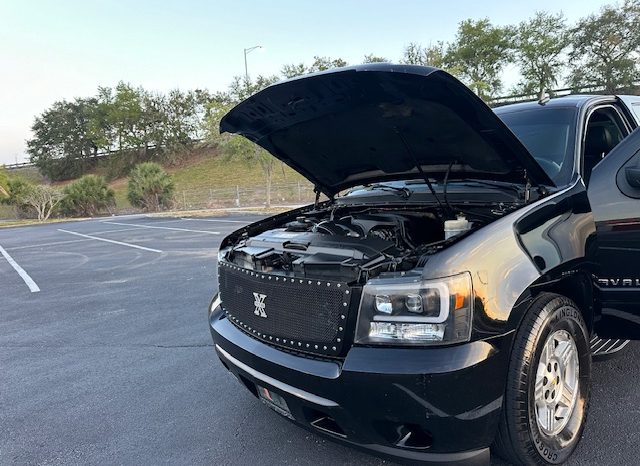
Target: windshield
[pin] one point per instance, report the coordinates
(548, 134)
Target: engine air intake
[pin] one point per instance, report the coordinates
(303, 315)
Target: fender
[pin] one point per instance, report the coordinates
(511, 258)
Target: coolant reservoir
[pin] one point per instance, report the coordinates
(456, 227)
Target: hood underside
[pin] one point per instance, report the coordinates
(372, 123)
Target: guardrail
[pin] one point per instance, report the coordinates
(15, 166)
(102, 154)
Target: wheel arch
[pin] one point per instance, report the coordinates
(577, 285)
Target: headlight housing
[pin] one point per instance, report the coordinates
(412, 311)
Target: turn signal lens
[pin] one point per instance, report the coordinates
(459, 301)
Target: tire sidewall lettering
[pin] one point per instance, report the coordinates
(560, 316)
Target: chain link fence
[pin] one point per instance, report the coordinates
(242, 197)
(205, 197)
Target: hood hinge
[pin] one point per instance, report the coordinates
(316, 190)
(527, 188)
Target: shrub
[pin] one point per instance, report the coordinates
(87, 196)
(150, 187)
(43, 200)
(4, 183)
(17, 191)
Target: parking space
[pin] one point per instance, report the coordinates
(110, 359)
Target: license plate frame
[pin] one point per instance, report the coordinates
(274, 401)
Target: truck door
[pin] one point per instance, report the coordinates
(614, 195)
(632, 102)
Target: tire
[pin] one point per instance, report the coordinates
(543, 416)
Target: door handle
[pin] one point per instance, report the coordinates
(633, 176)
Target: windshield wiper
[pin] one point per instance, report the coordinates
(492, 183)
(402, 191)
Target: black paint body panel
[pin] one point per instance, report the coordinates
(568, 242)
(616, 209)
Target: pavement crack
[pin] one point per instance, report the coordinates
(249, 414)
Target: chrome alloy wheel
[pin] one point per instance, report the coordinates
(557, 378)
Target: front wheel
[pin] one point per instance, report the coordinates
(547, 395)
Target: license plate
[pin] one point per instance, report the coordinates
(274, 401)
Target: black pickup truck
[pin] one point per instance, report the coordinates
(443, 299)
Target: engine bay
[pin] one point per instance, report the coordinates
(347, 244)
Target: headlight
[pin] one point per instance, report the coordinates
(407, 311)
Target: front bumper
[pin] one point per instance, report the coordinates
(436, 405)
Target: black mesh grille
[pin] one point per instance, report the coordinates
(301, 314)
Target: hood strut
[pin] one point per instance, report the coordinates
(316, 190)
(418, 166)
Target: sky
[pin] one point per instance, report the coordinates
(53, 50)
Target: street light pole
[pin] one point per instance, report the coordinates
(247, 51)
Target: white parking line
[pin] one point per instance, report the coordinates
(166, 228)
(55, 243)
(42, 245)
(117, 230)
(214, 220)
(23, 274)
(97, 238)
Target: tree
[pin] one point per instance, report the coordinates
(479, 53)
(414, 54)
(43, 199)
(433, 55)
(63, 139)
(371, 58)
(100, 128)
(606, 47)
(242, 88)
(87, 196)
(124, 115)
(237, 147)
(29, 199)
(325, 63)
(182, 116)
(539, 44)
(293, 70)
(150, 187)
(251, 153)
(318, 64)
(234, 146)
(217, 108)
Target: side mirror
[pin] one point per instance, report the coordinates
(633, 176)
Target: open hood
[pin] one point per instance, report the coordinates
(371, 123)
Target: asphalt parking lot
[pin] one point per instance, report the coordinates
(106, 357)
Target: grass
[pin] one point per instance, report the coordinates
(21, 222)
(28, 174)
(210, 170)
(202, 170)
(206, 170)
